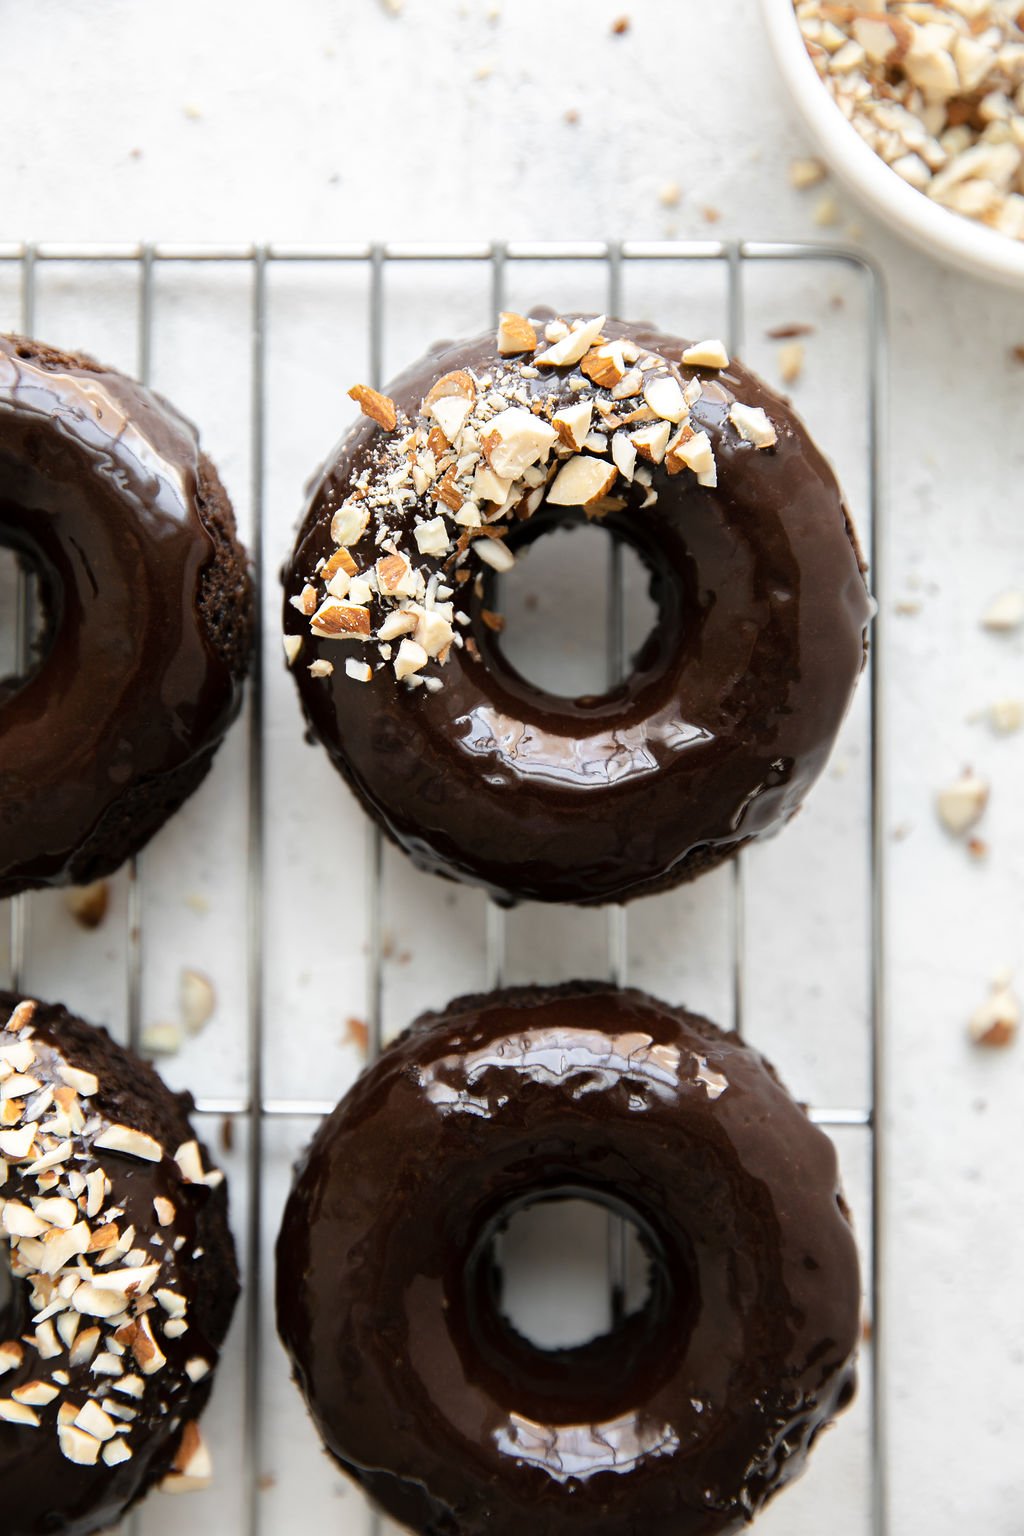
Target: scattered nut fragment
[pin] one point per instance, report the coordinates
(515, 334)
(321, 668)
(962, 804)
(670, 194)
(791, 361)
(806, 172)
(1005, 612)
(620, 25)
(160, 1040)
(361, 671)
(1006, 716)
(357, 1033)
(88, 904)
(380, 408)
(826, 211)
(292, 648)
(996, 1021)
(197, 998)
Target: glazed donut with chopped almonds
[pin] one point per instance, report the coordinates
(733, 702)
(123, 1272)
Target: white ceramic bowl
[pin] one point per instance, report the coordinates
(947, 236)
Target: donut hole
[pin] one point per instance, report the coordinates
(547, 1326)
(555, 1261)
(21, 618)
(556, 606)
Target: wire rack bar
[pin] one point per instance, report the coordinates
(257, 1106)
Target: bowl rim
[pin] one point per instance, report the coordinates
(937, 230)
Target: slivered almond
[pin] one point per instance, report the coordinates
(515, 334)
(380, 408)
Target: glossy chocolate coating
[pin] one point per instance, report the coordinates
(102, 492)
(685, 1420)
(42, 1490)
(725, 722)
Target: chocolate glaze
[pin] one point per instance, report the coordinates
(42, 1490)
(726, 721)
(684, 1421)
(105, 494)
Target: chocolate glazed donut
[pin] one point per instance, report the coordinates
(733, 702)
(124, 1278)
(684, 1420)
(105, 494)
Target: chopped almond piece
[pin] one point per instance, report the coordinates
(342, 621)
(581, 481)
(665, 398)
(707, 354)
(573, 347)
(651, 442)
(380, 408)
(572, 423)
(515, 334)
(753, 425)
(515, 440)
(341, 560)
(395, 576)
(457, 384)
(447, 491)
(605, 365)
(450, 414)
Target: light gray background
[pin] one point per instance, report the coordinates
(315, 121)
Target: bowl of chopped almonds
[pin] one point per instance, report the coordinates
(917, 106)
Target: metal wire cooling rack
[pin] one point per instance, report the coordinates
(144, 295)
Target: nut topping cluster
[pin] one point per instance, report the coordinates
(568, 417)
(937, 90)
(103, 1299)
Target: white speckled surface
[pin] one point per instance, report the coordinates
(322, 122)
